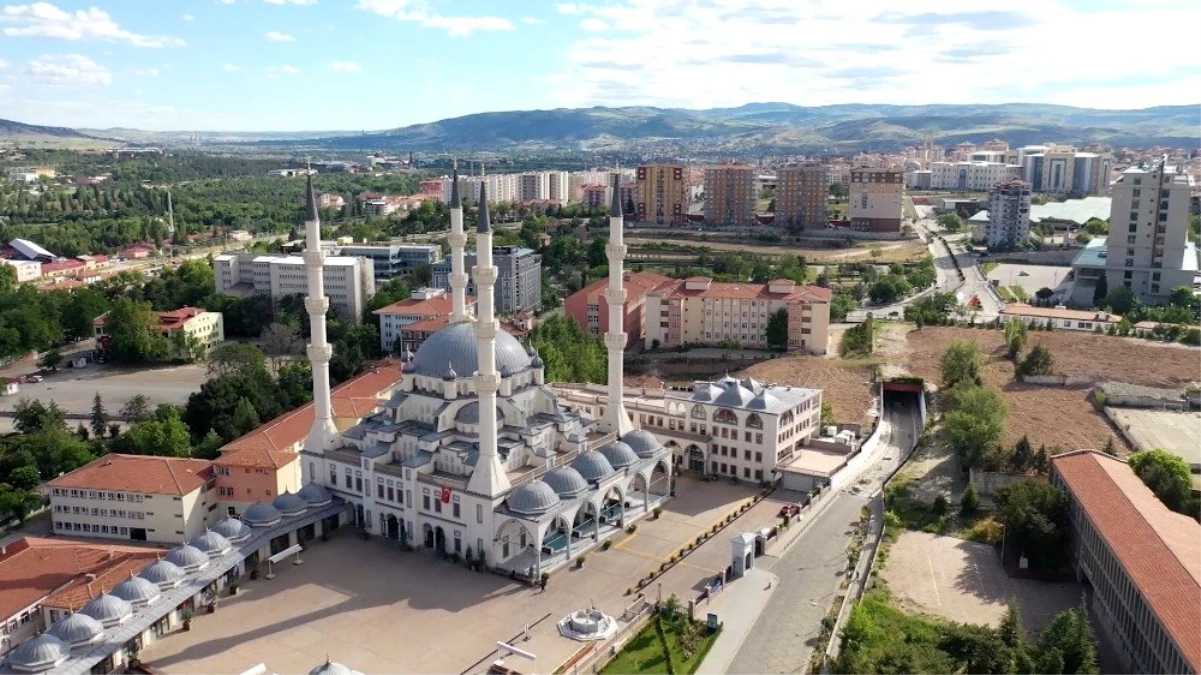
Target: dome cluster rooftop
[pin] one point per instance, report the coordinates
(532, 499)
(454, 349)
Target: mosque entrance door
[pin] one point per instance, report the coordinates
(439, 540)
(393, 527)
(429, 535)
(696, 459)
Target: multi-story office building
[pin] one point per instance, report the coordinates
(1008, 214)
(349, 282)
(395, 260)
(730, 195)
(974, 176)
(661, 194)
(1062, 169)
(423, 305)
(519, 280)
(802, 194)
(589, 306)
(1137, 561)
(700, 311)
(875, 200)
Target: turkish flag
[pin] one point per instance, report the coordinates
(445, 495)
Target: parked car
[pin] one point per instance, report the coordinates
(789, 510)
(35, 378)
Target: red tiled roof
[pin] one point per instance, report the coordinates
(1159, 549)
(636, 284)
(61, 265)
(427, 325)
(166, 320)
(432, 306)
(33, 568)
(1022, 309)
(256, 458)
(139, 473)
(730, 291)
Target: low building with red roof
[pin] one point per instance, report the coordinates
(589, 308)
(423, 305)
(137, 252)
(207, 328)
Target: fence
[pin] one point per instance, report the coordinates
(598, 655)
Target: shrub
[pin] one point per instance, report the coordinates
(969, 503)
(658, 510)
(940, 505)
(632, 528)
(607, 543)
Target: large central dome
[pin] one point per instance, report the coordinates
(456, 345)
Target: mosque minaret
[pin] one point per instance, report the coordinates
(616, 419)
(323, 435)
(458, 240)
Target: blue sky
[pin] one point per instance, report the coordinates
(375, 64)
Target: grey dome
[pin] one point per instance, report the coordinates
(506, 371)
(211, 543)
(727, 379)
(108, 609)
(592, 466)
(537, 362)
(137, 591)
(763, 401)
(39, 653)
(470, 413)
(619, 454)
(751, 383)
(408, 367)
(735, 395)
(532, 498)
(707, 392)
(330, 668)
(315, 494)
(565, 481)
(643, 443)
(261, 514)
(290, 504)
(450, 375)
(187, 557)
(455, 344)
(163, 573)
(232, 529)
(77, 629)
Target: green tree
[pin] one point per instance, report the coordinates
(99, 421)
(569, 354)
(1100, 291)
(24, 477)
(777, 329)
(236, 358)
(975, 422)
(80, 310)
(1035, 519)
(393, 290)
(30, 416)
(209, 447)
(951, 222)
(1121, 300)
(961, 362)
(596, 252)
(132, 328)
(1022, 458)
(165, 435)
(136, 409)
(1038, 362)
(1015, 338)
(51, 360)
(969, 503)
(245, 417)
(1168, 477)
(1068, 642)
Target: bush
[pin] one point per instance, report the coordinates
(969, 503)
(606, 545)
(632, 528)
(940, 505)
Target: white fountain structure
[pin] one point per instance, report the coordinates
(588, 625)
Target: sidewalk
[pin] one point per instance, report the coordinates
(738, 607)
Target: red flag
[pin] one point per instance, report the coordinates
(445, 495)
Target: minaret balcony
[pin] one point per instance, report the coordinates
(615, 252)
(485, 276)
(487, 330)
(615, 342)
(314, 258)
(458, 240)
(615, 296)
(316, 306)
(487, 383)
(458, 280)
(319, 353)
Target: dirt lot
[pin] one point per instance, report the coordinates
(890, 251)
(1056, 416)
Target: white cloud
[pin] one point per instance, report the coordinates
(418, 11)
(290, 2)
(276, 36)
(3, 64)
(231, 68)
(147, 72)
(188, 17)
(344, 66)
(531, 20)
(67, 70)
(227, 2)
(45, 20)
(274, 71)
(594, 25)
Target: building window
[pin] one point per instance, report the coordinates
(479, 515)
(425, 498)
(455, 507)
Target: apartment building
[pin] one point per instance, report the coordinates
(579, 179)
(532, 186)
(349, 282)
(424, 304)
(207, 328)
(590, 309)
(730, 195)
(24, 270)
(519, 284)
(802, 194)
(134, 497)
(596, 196)
(875, 200)
(1008, 214)
(661, 194)
(558, 186)
(975, 176)
(1139, 563)
(698, 310)
(1061, 169)
(394, 260)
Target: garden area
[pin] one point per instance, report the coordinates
(670, 643)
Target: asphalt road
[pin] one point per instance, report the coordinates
(811, 569)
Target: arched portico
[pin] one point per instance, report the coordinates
(586, 521)
(512, 538)
(612, 506)
(695, 458)
(659, 482)
(639, 488)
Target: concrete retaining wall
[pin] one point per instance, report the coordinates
(988, 482)
(1053, 257)
(1060, 380)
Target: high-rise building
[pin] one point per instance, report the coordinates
(1147, 249)
(558, 186)
(802, 193)
(518, 284)
(1008, 214)
(1061, 169)
(533, 186)
(349, 281)
(730, 195)
(661, 194)
(394, 260)
(875, 200)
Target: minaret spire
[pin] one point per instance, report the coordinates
(323, 434)
(489, 477)
(458, 277)
(616, 419)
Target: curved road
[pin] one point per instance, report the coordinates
(813, 566)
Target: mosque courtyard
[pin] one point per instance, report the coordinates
(376, 609)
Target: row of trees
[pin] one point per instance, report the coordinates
(569, 353)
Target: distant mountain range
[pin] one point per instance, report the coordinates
(755, 128)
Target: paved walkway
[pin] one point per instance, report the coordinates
(737, 608)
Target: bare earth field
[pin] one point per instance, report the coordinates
(889, 252)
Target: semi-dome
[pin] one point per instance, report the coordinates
(137, 591)
(108, 609)
(164, 574)
(39, 653)
(77, 630)
(735, 395)
(533, 498)
(211, 543)
(290, 504)
(261, 514)
(315, 494)
(565, 481)
(187, 557)
(470, 413)
(643, 443)
(232, 529)
(456, 344)
(763, 401)
(331, 668)
(619, 454)
(593, 466)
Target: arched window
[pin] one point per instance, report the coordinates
(754, 421)
(698, 412)
(725, 417)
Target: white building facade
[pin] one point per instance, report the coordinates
(970, 176)
(350, 280)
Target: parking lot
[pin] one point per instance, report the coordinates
(1029, 277)
(1176, 432)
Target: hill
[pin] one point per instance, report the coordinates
(18, 133)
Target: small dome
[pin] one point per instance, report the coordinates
(449, 374)
(77, 630)
(408, 367)
(643, 443)
(727, 379)
(315, 494)
(537, 362)
(763, 401)
(619, 454)
(407, 356)
(39, 653)
(506, 371)
(108, 609)
(137, 591)
(735, 395)
(593, 466)
(706, 392)
(290, 504)
(189, 558)
(470, 413)
(565, 481)
(751, 383)
(330, 668)
(261, 514)
(164, 574)
(532, 498)
(211, 543)
(232, 529)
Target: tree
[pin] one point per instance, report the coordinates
(777, 329)
(962, 362)
(132, 329)
(422, 275)
(596, 252)
(245, 417)
(951, 222)
(32, 416)
(1100, 291)
(1121, 300)
(1037, 362)
(1068, 642)
(1015, 338)
(1167, 475)
(51, 360)
(165, 435)
(24, 477)
(136, 409)
(280, 343)
(1011, 631)
(1035, 518)
(99, 422)
(1044, 294)
(1022, 458)
(969, 503)
(827, 417)
(393, 290)
(236, 358)
(975, 422)
(209, 447)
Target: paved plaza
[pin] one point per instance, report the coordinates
(1030, 277)
(377, 609)
(1176, 432)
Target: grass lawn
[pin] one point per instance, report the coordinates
(989, 266)
(648, 652)
(1019, 293)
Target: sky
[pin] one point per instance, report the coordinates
(288, 65)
